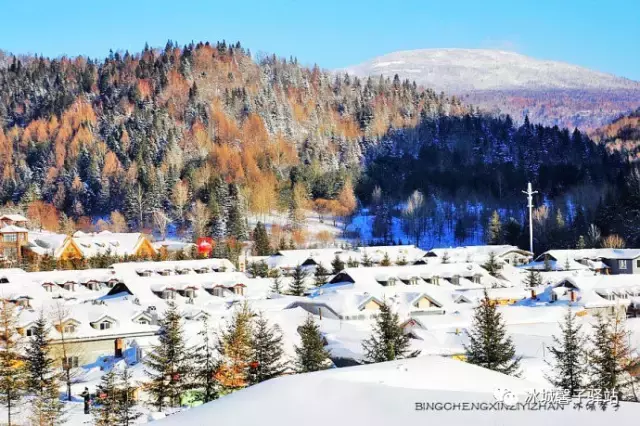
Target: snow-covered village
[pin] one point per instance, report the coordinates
(319, 213)
(115, 328)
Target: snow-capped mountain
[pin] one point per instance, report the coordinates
(469, 70)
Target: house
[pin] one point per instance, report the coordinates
(84, 246)
(508, 254)
(12, 239)
(601, 261)
(13, 219)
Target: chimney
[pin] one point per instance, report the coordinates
(573, 295)
(533, 293)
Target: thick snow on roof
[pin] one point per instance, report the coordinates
(45, 242)
(12, 228)
(597, 253)
(127, 269)
(384, 394)
(14, 217)
(475, 253)
(118, 244)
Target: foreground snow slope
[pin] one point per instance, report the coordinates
(384, 394)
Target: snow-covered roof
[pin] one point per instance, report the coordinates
(118, 244)
(591, 254)
(478, 254)
(12, 228)
(14, 217)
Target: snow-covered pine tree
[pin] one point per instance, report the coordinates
(492, 265)
(569, 357)
(39, 365)
(126, 409)
(12, 373)
(267, 359)
(234, 347)
(297, 286)
(366, 260)
(337, 264)
(489, 345)
(105, 411)
(168, 364)
(311, 354)
(236, 226)
(206, 364)
(320, 275)
(532, 279)
(386, 260)
(388, 341)
(45, 408)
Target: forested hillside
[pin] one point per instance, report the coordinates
(204, 136)
(201, 131)
(622, 135)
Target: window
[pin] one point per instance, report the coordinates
(70, 362)
(143, 321)
(391, 282)
(105, 325)
(10, 238)
(638, 263)
(622, 264)
(413, 281)
(69, 328)
(31, 331)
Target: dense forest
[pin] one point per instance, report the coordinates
(205, 135)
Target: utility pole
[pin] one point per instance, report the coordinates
(530, 193)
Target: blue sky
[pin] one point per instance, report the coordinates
(595, 34)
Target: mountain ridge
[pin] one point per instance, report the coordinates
(452, 70)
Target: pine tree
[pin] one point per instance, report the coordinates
(582, 244)
(12, 374)
(388, 341)
(494, 231)
(206, 364)
(311, 355)
(386, 261)
(298, 286)
(39, 365)
(261, 240)
(445, 257)
(567, 264)
(45, 408)
(489, 346)
(168, 364)
(105, 412)
(547, 263)
(491, 265)
(235, 351)
(277, 283)
(568, 356)
(366, 260)
(126, 409)
(337, 264)
(533, 279)
(267, 352)
(320, 275)
(611, 358)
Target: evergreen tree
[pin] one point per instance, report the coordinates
(366, 260)
(206, 364)
(582, 244)
(298, 286)
(39, 365)
(12, 373)
(386, 260)
(445, 257)
(126, 409)
(491, 265)
(311, 355)
(547, 263)
(489, 346)
(388, 341)
(337, 264)
(267, 352)
(105, 412)
(568, 356)
(261, 241)
(45, 408)
(320, 275)
(168, 365)
(494, 231)
(610, 358)
(235, 351)
(533, 279)
(277, 283)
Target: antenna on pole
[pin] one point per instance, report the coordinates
(530, 193)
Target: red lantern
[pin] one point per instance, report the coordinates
(254, 364)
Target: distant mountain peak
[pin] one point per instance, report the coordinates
(457, 70)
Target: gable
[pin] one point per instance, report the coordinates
(371, 305)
